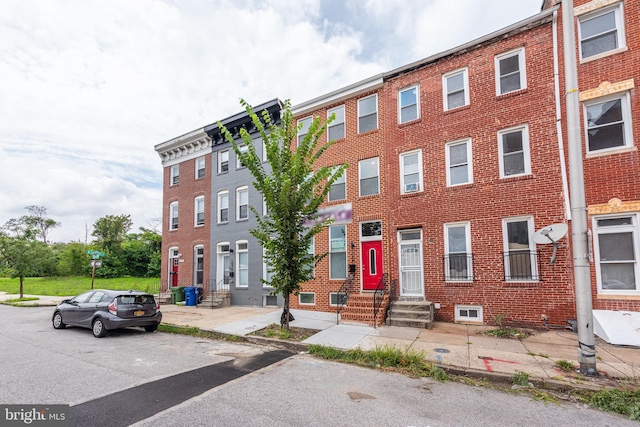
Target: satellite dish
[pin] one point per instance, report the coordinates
(551, 234)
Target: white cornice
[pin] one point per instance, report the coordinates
(185, 147)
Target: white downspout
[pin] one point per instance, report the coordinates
(556, 79)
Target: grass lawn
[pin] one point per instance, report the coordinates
(67, 286)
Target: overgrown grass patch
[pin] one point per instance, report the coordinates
(508, 332)
(565, 366)
(67, 286)
(625, 401)
(197, 332)
(291, 334)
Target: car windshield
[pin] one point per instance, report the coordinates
(136, 299)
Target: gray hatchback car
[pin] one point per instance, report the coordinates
(104, 310)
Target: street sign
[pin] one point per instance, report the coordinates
(95, 254)
(96, 263)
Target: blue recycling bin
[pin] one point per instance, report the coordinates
(190, 296)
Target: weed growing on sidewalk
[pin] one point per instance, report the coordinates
(520, 379)
(197, 332)
(625, 401)
(565, 366)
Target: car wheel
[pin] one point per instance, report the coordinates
(151, 328)
(99, 331)
(57, 321)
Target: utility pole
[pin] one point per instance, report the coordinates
(581, 268)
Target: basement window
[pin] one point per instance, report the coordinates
(469, 313)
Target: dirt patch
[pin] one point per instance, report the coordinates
(292, 334)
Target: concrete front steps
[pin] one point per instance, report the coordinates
(219, 299)
(411, 313)
(359, 309)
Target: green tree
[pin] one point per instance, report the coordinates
(38, 222)
(110, 231)
(139, 253)
(73, 259)
(293, 190)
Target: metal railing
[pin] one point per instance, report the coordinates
(216, 290)
(458, 267)
(343, 296)
(378, 297)
(522, 266)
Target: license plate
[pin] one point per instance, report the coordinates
(138, 313)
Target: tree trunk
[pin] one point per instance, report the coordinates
(286, 306)
(21, 289)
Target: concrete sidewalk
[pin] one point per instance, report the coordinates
(460, 348)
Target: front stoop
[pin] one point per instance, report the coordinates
(359, 309)
(413, 314)
(221, 299)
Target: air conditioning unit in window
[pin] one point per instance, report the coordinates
(410, 188)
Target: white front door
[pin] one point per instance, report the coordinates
(410, 251)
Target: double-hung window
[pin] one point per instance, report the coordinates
(267, 270)
(457, 248)
(520, 259)
(411, 172)
(456, 89)
(199, 211)
(304, 129)
(369, 176)
(175, 174)
(408, 104)
(513, 147)
(336, 129)
(337, 252)
(616, 247)
(198, 265)
(173, 216)
(368, 113)
(242, 261)
(608, 123)
(459, 164)
(243, 149)
(242, 203)
(510, 72)
(223, 161)
(200, 164)
(339, 188)
(601, 31)
(223, 206)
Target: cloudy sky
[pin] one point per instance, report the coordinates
(89, 87)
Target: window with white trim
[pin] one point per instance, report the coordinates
(243, 149)
(368, 113)
(223, 207)
(338, 189)
(242, 203)
(337, 252)
(469, 313)
(306, 124)
(312, 254)
(175, 174)
(307, 298)
(601, 31)
(267, 270)
(173, 216)
(265, 210)
(513, 147)
(198, 265)
(511, 71)
(616, 248)
(608, 123)
(520, 260)
(200, 167)
(369, 176)
(223, 161)
(459, 163)
(336, 129)
(408, 104)
(336, 298)
(455, 89)
(198, 211)
(411, 172)
(242, 261)
(457, 252)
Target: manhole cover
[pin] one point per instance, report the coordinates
(441, 350)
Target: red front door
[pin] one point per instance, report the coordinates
(371, 253)
(174, 272)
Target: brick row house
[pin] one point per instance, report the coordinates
(455, 161)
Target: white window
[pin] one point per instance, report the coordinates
(520, 260)
(616, 247)
(175, 174)
(339, 188)
(469, 313)
(456, 89)
(306, 124)
(258, 142)
(223, 161)
(336, 129)
(199, 211)
(243, 149)
(369, 176)
(513, 146)
(242, 261)
(223, 206)
(336, 298)
(411, 172)
(368, 113)
(601, 31)
(307, 298)
(242, 203)
(457, 252)
(608, 123)
(459, 164)
(173, 216)
(312, 254)
(337, 252)
(511, 74)
(265, 210)
(267, 270)
(408, 104)
(200, 164)
(198, 265)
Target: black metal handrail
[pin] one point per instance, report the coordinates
(522, 265)
(343, 296)
(218, 290)
(458, 267)
(378, 297)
